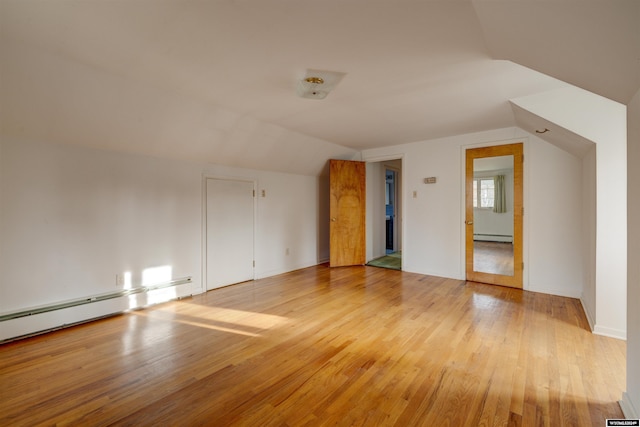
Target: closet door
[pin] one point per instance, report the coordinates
(229, 232)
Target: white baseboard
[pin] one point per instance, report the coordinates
(627, 407)
(553, 291)
(492, 238)
(610, 332)
(283, 270)
(587, 314)
(602, 330)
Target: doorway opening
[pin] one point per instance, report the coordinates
(384, 214)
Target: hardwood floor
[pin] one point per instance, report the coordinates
(347, 346)
(493, 257)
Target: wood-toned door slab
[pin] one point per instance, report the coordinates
(347, 213)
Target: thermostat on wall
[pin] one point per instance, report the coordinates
(430, 180)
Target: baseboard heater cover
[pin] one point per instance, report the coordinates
(40, 319)
(493, 238)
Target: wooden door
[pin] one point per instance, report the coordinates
(514, 277)
(229, 232)
(347, 183)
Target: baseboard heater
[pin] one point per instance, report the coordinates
(79, 310)
(493, 238)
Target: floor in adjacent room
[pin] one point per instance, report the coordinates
(493, 257)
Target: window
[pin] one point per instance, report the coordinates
(483, 192)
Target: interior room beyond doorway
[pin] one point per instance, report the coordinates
(384, 214)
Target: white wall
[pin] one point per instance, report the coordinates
(631, 399)
(589, 204)
(430, 220)
(435, 241)
(487, 222)
(611, 236)
(603, 122)
(375, 220)
(72, 218)
(287, 218)
(1, 206)
(554, 216)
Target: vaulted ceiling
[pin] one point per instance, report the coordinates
(214, 80)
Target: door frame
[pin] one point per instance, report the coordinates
(203, 251)
(375, 186)
(470, 153)
(396, 205)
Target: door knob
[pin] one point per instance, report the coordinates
(469, 222)
(333, 220)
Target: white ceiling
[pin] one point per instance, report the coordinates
(215, 80)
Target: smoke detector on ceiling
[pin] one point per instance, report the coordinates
(316, 84)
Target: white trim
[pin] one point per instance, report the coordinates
(620, 334)
(601, 330)
(627, 407)
(499, 238)
(203, 236)
(377, 159)
(552, 291)
(478, 180)
(587, 314)
(403, 200)
(276, 272)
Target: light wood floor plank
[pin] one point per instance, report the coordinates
(346, 346)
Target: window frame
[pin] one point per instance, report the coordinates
(477, 192)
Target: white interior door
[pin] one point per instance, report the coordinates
(229, 227)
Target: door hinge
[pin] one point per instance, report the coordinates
(523, 211)
(254, 263)
(523, 265)
(254, 193)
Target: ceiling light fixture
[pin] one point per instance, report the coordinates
(311, 87)
(316, 84)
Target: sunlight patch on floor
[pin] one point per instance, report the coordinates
(244, 318)
(220, 319)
